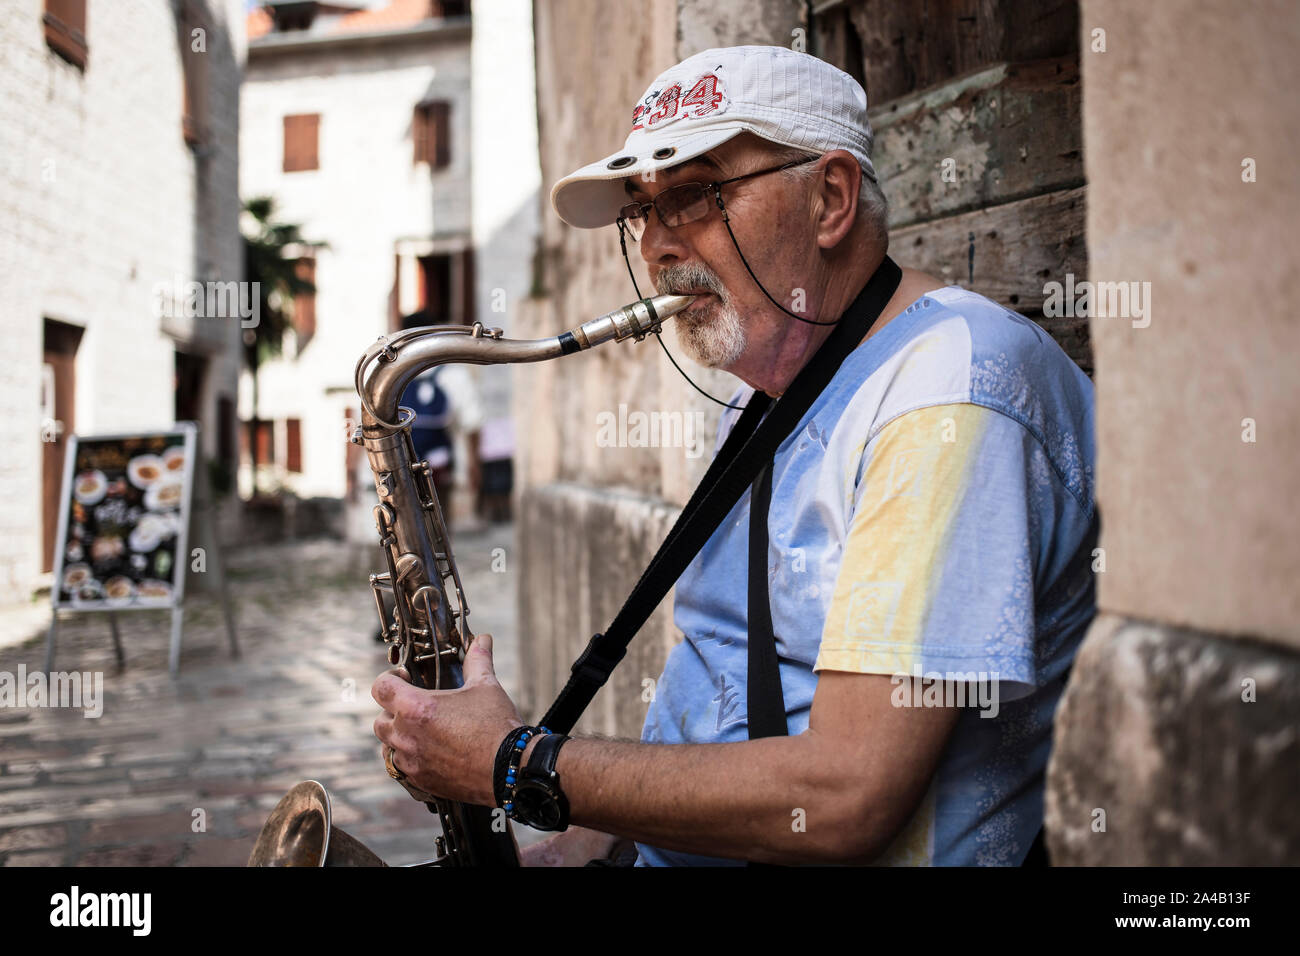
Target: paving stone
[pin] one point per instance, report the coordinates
(168, 772)
(101, 775)
(230, 735)
(41, 858)
(236, 787)
(218, 851)
(29, 838)
(136, 829)
(156, 854)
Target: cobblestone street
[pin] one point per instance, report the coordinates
(229, 736)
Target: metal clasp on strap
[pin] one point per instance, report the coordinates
(595, 663)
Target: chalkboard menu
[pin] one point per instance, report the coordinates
(123, 520)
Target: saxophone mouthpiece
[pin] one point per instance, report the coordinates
(669, 305)
(637, 320)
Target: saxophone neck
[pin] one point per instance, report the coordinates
(399, 358)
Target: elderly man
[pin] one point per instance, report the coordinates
(931, 521)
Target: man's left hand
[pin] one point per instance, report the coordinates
(445, 741)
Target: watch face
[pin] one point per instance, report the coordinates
(538, 806)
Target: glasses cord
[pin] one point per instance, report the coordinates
(622, 242)
(726, 221)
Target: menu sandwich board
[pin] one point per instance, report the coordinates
(123, 520)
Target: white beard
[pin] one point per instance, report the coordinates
(714, 341)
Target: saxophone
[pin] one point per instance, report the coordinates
(427, 631)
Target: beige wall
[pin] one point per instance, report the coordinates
(1199, 527)
(1175, 743)
(584, 107)
(590, 517)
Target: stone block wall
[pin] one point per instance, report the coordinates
(1178, 741)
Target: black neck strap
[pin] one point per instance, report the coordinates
(746, 450)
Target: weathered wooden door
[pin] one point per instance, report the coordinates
(58, 421)
(975, 105)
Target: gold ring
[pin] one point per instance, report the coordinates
(392, 768)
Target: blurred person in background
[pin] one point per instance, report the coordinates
(446, 404)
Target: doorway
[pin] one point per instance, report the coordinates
(58, 421)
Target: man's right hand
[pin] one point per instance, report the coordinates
(576, 846)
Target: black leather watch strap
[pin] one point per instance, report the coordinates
(541, 762)
(540, 801)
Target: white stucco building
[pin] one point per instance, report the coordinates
(118, 170)
(366, 127)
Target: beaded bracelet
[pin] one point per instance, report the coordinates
(505, 773)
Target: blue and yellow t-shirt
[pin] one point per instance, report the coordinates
(932, 515)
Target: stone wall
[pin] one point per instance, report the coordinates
(591, 516)
(1180, 731)
(1013, 213)
(1181, 719)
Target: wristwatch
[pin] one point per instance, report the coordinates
(538, 801)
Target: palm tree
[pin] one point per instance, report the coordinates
(265, 263)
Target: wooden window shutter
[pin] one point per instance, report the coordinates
(304, 303)
(263, 436)
(65, 30)
(420, 133)
(440, 115)
(431, 131)
(301, 134)
(265, 442)
(293, 445)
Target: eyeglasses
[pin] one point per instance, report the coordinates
(686, 203)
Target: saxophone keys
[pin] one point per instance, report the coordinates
(394, 654)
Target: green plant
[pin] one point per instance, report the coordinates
(278, 282)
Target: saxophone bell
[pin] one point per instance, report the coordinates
(300, 832)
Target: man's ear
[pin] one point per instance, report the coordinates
(840, 182)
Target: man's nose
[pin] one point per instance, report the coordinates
(659, 244)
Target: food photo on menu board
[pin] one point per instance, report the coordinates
(124, 520)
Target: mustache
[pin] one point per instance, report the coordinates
(687, 278)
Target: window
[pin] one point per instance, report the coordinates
(226, 431)
(293, 445)
(300, 139)
(65, 30)
(435, 292)
(446, 290)
(467, 287)
(304, 303)
(431, 129)
(292, 16)
(265, 445)
(187, 384)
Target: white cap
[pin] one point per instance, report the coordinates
(783, 96)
